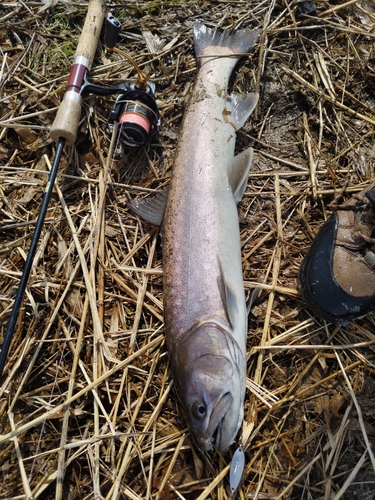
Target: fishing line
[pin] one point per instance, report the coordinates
(55, 381)
(135, 109)
(111, 155)
(115, 141)
(48, 404)
(63, 131)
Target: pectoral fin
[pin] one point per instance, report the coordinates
(228, 297)
(151, 208)
(238, 173)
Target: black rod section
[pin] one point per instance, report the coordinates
(30, 256)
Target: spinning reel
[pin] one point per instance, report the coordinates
(135, 108)
(137, 113)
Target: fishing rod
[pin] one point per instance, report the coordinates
(135, 110)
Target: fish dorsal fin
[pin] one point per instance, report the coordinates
(238, 173)
(239, 107)
(151, 208)
(228, 297)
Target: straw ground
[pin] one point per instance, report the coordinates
(87, 404)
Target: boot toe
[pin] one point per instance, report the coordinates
(326, 274)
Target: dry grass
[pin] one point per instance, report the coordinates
(87, 405)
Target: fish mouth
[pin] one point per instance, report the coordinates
(215, 427)
(216, 436)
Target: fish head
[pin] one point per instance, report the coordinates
(210, 372)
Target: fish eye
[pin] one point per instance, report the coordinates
(199, 410)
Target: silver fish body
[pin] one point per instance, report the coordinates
(203, 292)
(204, 301)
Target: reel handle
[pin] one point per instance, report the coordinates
(65, 125)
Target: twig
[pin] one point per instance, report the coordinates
(359, 411)
(121, 365)
(25, 482)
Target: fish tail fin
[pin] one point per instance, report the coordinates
(238, 41)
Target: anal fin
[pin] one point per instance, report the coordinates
(151, 208)
(240, 107)
(238, 173)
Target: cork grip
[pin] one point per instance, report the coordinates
(66, 122)
(89, 38)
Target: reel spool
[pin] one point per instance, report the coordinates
(137, 113)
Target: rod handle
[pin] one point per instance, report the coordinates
(66, 121)
(89, 39)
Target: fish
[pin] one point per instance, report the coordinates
(204, 303)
